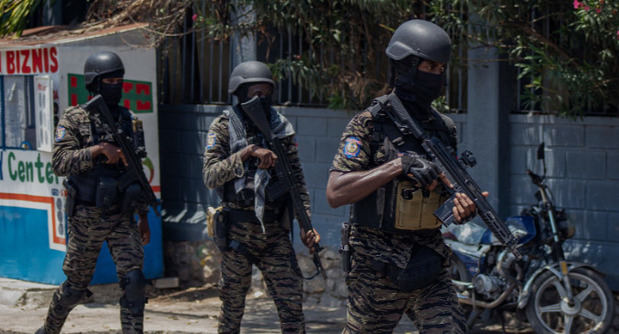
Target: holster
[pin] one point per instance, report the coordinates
(130, 197)
(69, 205)
(218, 226)
(345, 247)
(424, 266)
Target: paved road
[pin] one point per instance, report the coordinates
(190, 311)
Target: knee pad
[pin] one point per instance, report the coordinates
(71, 297)
(133, 298)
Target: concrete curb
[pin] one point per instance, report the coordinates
(25, 294)
(16, 293)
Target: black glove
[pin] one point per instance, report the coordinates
(423, 171)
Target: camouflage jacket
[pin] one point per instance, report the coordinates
(76, 131)
(355, 153)
(220, 167)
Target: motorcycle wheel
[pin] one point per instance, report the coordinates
(458, 271)
(592, 311)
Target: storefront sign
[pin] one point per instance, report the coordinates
(29, 61)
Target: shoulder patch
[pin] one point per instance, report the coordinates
(352, 147)
(211, 140)
(61, 132)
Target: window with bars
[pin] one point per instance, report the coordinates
(17, 118)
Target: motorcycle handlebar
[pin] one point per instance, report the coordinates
(536, 179)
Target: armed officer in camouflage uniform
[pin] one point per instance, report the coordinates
(98, 210)
(398, 258)
(257, 210)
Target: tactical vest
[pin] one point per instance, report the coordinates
(103, 185)
(399, 206)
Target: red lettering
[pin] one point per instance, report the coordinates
(10, 62)
(127, 103)
(52, 54)
(17, 62)
(142, 88)
(73, 99)
(143, 105)
(90, 97)
(37, 65)
(127, 87)
(46, 60)
(73, 82)
(25, 69)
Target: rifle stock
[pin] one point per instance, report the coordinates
(134, 163)
(254, 110)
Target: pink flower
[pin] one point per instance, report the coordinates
(587, 8)
(194, 17)
(617, 34)
(598, 10)
(577, 4)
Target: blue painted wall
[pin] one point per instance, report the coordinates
(25, 254)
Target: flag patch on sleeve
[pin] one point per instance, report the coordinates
(211, 139)
(61, 132)
(352, 147)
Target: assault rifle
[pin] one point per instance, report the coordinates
(254, 110)
(455, 172)
(135, 173)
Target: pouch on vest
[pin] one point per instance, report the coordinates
(424, 266)
(217, 226)
(414, 211)
(107, 192)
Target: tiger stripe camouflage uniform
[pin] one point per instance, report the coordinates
(375, 303)
(90, 226)
(271, 251)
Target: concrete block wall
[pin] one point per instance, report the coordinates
(581, 155)
(183, 132)
(318, 137)
(182, 139)
(582, 158)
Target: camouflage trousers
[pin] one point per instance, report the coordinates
(273, 254)
(375, 304)
(87, 230)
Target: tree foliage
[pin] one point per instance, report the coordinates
(14, 15)
(343, 41)
(565, 53)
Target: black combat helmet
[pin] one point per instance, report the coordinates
(249, 72)
(419, 38)
(101, 64)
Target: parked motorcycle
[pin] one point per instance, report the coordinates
(556, 295)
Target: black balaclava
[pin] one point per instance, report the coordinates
(111, 93)
(416, 89)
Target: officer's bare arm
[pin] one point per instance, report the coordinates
(347, 188)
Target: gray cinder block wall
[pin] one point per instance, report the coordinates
(183, 130)
(582, 158)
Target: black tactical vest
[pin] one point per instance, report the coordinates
(88, 183)
(377, 210)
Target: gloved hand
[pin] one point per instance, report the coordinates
(424, 172)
